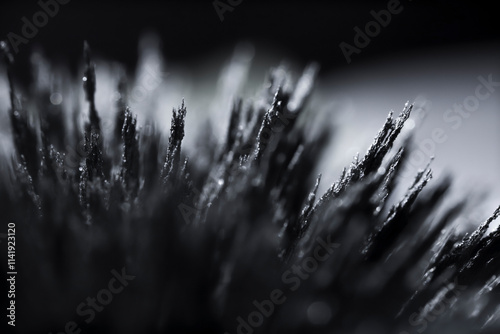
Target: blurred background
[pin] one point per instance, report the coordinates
(431, 53)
